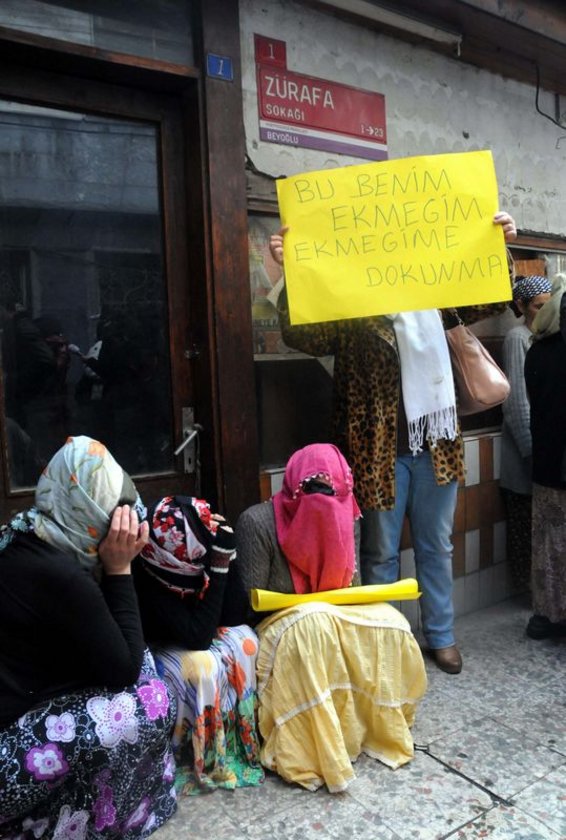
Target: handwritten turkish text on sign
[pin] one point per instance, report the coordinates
(393, 236)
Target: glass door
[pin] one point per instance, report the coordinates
(93, 289)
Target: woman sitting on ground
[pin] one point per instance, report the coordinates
(333, 681)
(83, 754)
(186, 593)
(295, 544)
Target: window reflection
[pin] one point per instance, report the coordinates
(293, 390)
(82, 293)
(158, 29)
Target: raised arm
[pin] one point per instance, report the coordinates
(190, 622)
(508, 225)
(314, 339)
(104, 622)
(471, 314)
(124, 541)
(101, 624)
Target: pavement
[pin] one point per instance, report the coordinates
(490, 759)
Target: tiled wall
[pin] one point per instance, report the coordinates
(480, 568)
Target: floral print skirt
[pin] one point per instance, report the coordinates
(90, 765)
(214, 738)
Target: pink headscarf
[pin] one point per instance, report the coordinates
(315, 531)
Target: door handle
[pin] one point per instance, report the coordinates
(190, 436)
(188, 445)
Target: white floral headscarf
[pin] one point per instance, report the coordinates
(74, 499)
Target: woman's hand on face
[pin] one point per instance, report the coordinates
(276, 245)
(124, 541)
(508, 224)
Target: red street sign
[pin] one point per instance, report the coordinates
(300, 110)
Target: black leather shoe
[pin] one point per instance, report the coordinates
(448, 659)
(540, 627)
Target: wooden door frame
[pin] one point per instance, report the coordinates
(217, 32)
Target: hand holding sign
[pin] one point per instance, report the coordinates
(507, 222)
(394, 236)
(276, 245)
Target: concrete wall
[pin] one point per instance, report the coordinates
(433, 104)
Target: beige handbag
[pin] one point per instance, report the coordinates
(480, 382)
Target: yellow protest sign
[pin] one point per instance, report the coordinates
(393, 236)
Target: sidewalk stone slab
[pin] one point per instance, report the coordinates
(497, 757)
(503, 823)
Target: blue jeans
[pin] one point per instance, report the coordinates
(430, 508)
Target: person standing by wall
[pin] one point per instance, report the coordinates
(545, 376)
(529, 295)
(383, 367)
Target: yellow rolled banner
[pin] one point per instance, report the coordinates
(403, 590)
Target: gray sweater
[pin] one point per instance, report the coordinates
(259, 559)
(516, 445)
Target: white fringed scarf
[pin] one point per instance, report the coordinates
(426, 378)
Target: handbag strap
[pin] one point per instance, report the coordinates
(451, 319)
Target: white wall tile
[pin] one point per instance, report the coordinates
(472, 548)
(486, 591)
(497, 457)
(459, 596)
(499, 544)
(276, 481)
(472, 591)
(501, 582)
(410, 610)
(472, 458)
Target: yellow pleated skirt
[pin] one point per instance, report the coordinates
(333, 682)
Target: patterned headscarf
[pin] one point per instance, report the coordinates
(547, 319)
(527, 288)
(181, 534)
(316, 531)
(74, 499)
